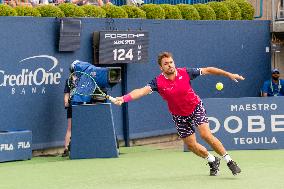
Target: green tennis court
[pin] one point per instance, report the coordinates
(145, 167)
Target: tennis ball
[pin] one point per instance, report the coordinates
(219, 86)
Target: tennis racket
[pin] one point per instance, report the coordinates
(84, 84)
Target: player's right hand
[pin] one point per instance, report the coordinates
(119, 101)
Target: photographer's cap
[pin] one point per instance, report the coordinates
(275, 71)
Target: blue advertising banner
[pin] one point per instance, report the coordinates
(15, 145)
(247, 123)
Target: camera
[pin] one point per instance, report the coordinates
(105, 77)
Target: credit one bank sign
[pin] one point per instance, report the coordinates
(247, 123)
(34, 78)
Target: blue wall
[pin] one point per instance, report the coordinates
(237, 46)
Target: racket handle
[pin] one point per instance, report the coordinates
(111, 98)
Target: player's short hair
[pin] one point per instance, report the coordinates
(164, 55)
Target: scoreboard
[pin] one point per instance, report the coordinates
(123, 47)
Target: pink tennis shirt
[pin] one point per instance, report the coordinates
(178, 93)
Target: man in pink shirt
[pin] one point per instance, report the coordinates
(188, 112)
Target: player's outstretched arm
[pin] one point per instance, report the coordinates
(217, 71)
(133, 95)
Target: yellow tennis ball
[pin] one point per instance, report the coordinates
(219, 86)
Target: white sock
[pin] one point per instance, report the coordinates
(210, 158)
(227, 158)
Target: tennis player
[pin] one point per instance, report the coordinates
(187, 109)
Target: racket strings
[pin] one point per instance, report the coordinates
(82, 83)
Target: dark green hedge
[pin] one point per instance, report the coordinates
(6, 10)
(27, 11)
(171, 11)
(188, 12)
(71, 10)
(93, 11)
(113, 11)
(225, 10)
(134, 12)
(221, 10)
(154, 11)
(247, 10)
(205, 12)
(236, 13)
(50, 11)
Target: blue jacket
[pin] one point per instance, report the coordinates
(273, 89)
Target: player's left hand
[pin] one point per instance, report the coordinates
(236, 77)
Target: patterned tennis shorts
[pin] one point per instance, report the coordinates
(186, 124)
